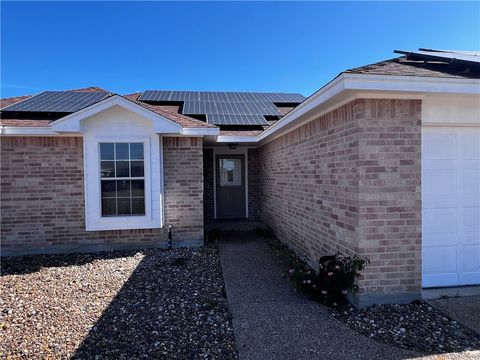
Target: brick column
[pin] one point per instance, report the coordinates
(389, 199)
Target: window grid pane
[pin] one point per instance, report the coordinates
(122, 179)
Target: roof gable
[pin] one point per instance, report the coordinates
(72, 122)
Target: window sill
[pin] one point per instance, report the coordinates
(123, 223)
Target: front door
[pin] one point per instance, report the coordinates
(230, 186)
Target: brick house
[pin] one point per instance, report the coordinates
(383, 161)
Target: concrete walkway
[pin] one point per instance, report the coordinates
(272, 321)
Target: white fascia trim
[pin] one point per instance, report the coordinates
(237, 139)
(47, 131)
(328, 91)
(71, 123)
(405, 83)
(25, 131)
(201, 131)
(408, 86)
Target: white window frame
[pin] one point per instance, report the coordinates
(115, 178)
(93, 199)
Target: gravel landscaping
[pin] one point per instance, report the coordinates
(417, 326)
(464, 309)
(116, 305)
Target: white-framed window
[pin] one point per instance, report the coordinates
(123, 182)
(122, 178)
(122, 205)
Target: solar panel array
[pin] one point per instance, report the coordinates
(451, 56)
(230, 108)
(216, 96)
(58, 101)
(220, 108)
(222, 119)
(226, 108)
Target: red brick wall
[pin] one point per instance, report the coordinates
(390, 194)
(349, 181)
(183, 186)
(42, 195)
(309, 185)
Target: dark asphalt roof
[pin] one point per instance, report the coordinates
(403, 67)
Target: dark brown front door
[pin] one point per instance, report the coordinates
(230, 189)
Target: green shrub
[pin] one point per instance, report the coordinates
(331, 284)
(334, 280)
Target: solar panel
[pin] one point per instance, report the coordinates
(450, 56)
(58, 101)
(230, 108)
(225, 119)
(218, 96)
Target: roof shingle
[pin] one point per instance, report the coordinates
(170, 112)
(403, 67)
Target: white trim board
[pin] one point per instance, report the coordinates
(236, 139)
(30, 131)
(47, 131)
(200, 131)
(347, 87)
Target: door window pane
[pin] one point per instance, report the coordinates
(230, 172)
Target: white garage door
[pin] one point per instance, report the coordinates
(451, 206)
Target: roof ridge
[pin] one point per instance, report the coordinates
(221, 91)
(90, 89)
(378, 63)
(16, 97)
(19, 98)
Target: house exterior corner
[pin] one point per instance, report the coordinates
(355, 190)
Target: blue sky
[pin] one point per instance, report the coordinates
(249, 46)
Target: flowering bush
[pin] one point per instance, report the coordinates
(334, 280)
(331, 284)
